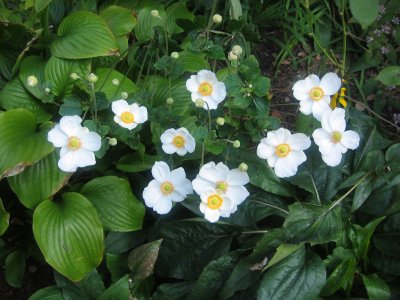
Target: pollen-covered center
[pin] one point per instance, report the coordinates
(222, 185)
(74, 143)
(214, 201)
(127, 117)
(205, 89)
(178, 141)
(282, 150)
(336, 137)
(316, 94)
(167, 188)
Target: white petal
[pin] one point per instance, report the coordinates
(181, 151)
(321, 137)
(219, 92)
(299, 141)
(336, 120)
(306, 106)
(339, 148)
(190, 144)
(264, 151)
(206, 76)
(152, 193)
(297, 157)
(91, 141)
(68, 162)
(237, 177)
(272, 160)
(57, 137)
(227, 204)
(203, 207)
(163, 206)
(330, 83)
(168, 136)
(120, 106)
(332, 158)
(300, 95)
(319, 108)
(211, 173)
(169, 148)
(350, 139)
(160, 171)
(211, 215)
(284, 168)
(85, 157)
(184, 188)
(141, 115)
(64, 150)
(177, 197)
(192, 84)
(71, 125)
(237, 194)
(301, 87)
(177, 176)
(312, 81)
(201, 185)
(212, 103)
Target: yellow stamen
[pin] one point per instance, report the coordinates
(317, 93)
(74, 143)
(283, 150)
(336, 137)
(167, 188)
(178, 141)
(341, 98)
(205, 89)
(127, 117)
(214, 201)
(222, 185)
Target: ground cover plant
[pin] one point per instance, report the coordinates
(199, 149)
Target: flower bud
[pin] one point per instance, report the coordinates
(217, 19)
(124, 95)
(243, 167)
(47, 90)
(73, 76)
(115, 81)
(220, 121)
(250, 86)
(232, 57)
(92, 78)
(175, 55)
(237, 50)
(155, 13)
(112, 141)
(170, 101)
(32, 81)
(236, 144)
(199, 103)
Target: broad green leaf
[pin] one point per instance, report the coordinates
(58, 70)
(388, 239)
(193, 62)
(71, 106)
(117, 265)
(14, 95)
(365, 12)
(117, 291)
(189, 245)
(4, 218)
(341, 277)
(39, 181)
(135, 163)
(142, 259)
(299, 276)
(377, 288)
(106, 86)
(282, 252)
(176, 11)
(21, 143)
(41, 4)
(121, 242)
(89, 288)
(48, 293)
(15, 268)
(119, 19)
(83, 34)
(146, 22)
(176, 290)
(362, 191)
(69, 234)
(117, 207)
(235, 9)
(389, 76)
(33, 66)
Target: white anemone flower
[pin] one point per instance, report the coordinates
(178, 141)
(284, 151)
(332, 139)
(206, 86)
(76, 142)
(215, 204)
(128, 116)
(167, 186)
(315, 95)
(229, 182)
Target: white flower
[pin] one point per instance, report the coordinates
(315, 95)
(214, 204)
(332, 138)
(284, 151)
(229, 182)
(178, 141)
(128, 116)
(206, 86)
(76, 142)
(167, 186)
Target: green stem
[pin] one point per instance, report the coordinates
(142, 65)
(93, 100)
(344, 40)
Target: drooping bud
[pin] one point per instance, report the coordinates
(155, 13)
(73, 76)
(217, 19)
(175, 55)
(115, 81)
(170, 101)
(236, 144)
(112, 141)
(47, 90)
(32, 81)
(220, 121)
(232, 57)
(199, 103)
(124, 95)
(237, 50)
(243, 167)
(92, 78)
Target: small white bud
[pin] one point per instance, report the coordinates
(220, 121)
(248, 94)
(175, 55)
(47, 90)
(232, 57)
(170, 101)
(32, 81)
(112, 141)
(124, 95)
(199, 103)
(237, 50)
(217, 19)
(115, 81)
(73, 76)
(243, 167)
(236, 144)
(92, 78)
(155, 13)
(250, 86)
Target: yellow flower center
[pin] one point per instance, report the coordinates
(316, 94)
(205, 89)
(167, 188)
(178, 141)
(336, 137)
(214, 201)
(222, 185)
(74, 143)
(127, 117)
(283, 150)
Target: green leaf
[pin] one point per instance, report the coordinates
(117, 291)
(119, 19)
(41, 4)
(83, 34)
(389, 76)
(117, 265)
(112, 91)
(48, 293)
(4, 218)
(69, 234)
(235, 9)
(15, 268)
(71, 106)
(193, 62)
(188, 246)
(89, 288)
(142, 259)
(377, 288)
(33, 65)
(282, 252)
(146, 22)
(21, 143)
(117, 207)
(365, 12)
(341, 277)
(135, 163)
(176, 290)
(299, 276)
(14, 95)
(39, 181)
(261, 85)
(362, 192)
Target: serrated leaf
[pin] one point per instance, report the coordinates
(389, 76)
(112, 91)
(119, 19)
(117, 207)
(83, 34)
(282, 252)
(21, 143)
(377, 288)
(340, 277)
(69, 234)
(39, 181)
(365, 12)
(4, 218)
(141, 260)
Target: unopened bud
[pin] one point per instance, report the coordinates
(236, 144)
(175, 55)
(115, 81)
(92, 78)
(217, 19)
(73, 76)
(112, 141)
(232, 57)
(170, 101)
(250, 86)
(32, 81)
(243, 167)
(47, 90)
(199, 103)
(220, 121)
(124, 95)
(155, 13)
(237, 50)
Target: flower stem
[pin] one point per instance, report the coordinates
(93, 100)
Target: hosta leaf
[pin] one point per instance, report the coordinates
(146, 22)
(365, 12)
(48, 293)
(69, 234)
(112, 91)
(15, 268)
(193, 62)
(119, 19)
(41, 4)
(83, 34)
(33, 65)
(377, 288)
(4, 218)
(117, 207)
(39, 182)
(21, 143)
